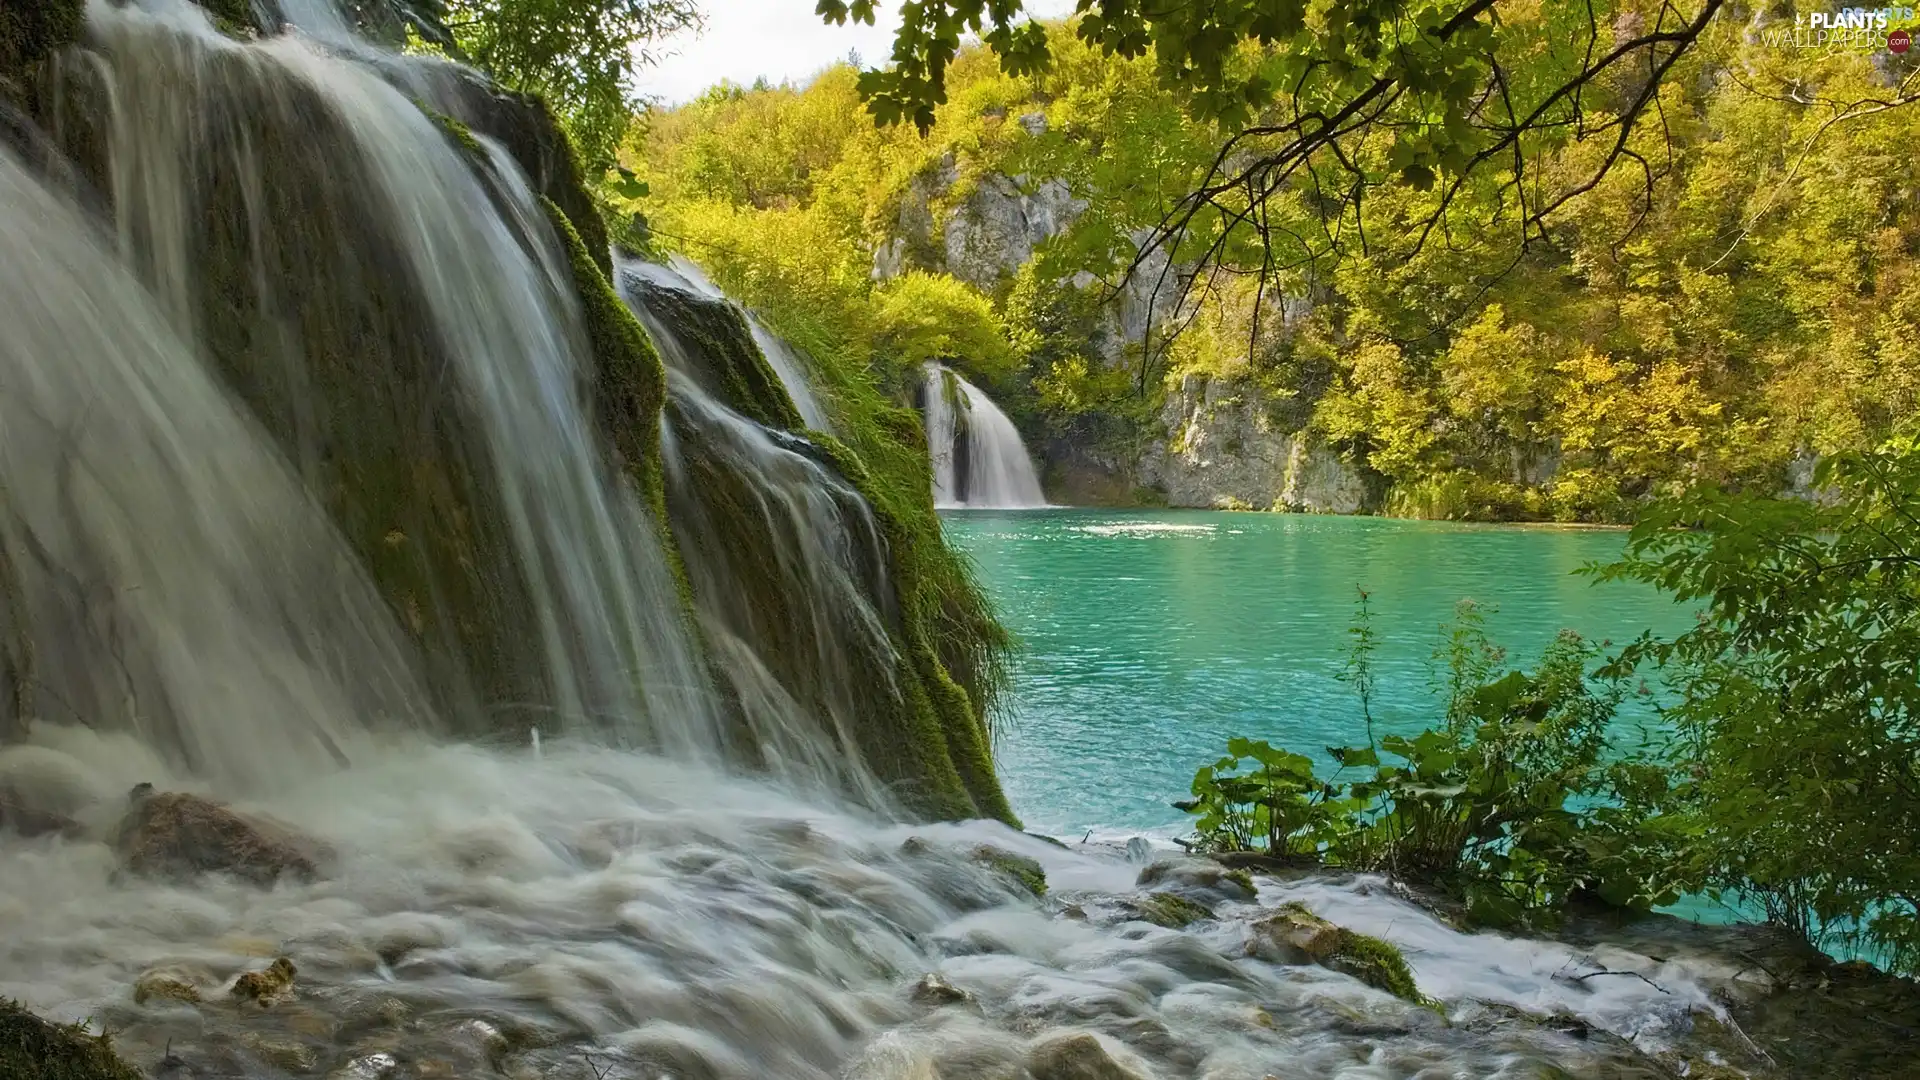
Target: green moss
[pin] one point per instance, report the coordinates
(728, 363)
(1377, 963)
(461, 134)
(1170, 911)
(630, 382)
(527, 127)
(232, 17)
(31, 31)
(1021, 870)
(36, 1049)
(949, 639)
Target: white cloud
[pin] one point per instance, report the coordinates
(780, 40)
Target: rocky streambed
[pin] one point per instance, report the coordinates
(588, 915)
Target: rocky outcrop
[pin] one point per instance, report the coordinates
(994, 231)
(1224, 450)
(179, 835)
(266, 988)
(983, 238)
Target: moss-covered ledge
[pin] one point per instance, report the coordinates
(35, 1049)
(726, 360)
(935, 598)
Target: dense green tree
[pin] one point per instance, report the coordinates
(1797, 716)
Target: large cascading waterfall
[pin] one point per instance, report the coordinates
(178, 583)
(979, 461)
(312, 498)
(392, 302)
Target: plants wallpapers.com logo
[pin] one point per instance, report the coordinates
(1860, 29)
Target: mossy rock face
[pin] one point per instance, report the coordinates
(1019, 869)
(867, 649)
(715, 347)
(1294, 935)
(1377, 963)
(32, 30)
(36, 1049)
(630, 385)
(527, 127)
(1168, 910)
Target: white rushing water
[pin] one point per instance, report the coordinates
(497, 295)
(979, 461)
(602, 899)
(183, 587)
(682, 273)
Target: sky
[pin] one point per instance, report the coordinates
(782, 40)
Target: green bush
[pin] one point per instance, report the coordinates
(1797, 700)
(1511, 804)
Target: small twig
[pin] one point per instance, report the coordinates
(1635, 974)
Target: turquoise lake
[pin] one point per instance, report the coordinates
(1147, 639)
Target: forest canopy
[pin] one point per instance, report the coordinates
(1747, 304)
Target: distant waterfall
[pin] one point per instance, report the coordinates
(979, 461)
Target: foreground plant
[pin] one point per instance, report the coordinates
(1513, 804)
(1797, 711)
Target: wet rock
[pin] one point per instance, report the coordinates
(1197, 879)
(1021, 870)
(285, 1054)
(1294, 935)
(1078, 1056)
(179, 835)
(162, 985)
(934, 991)
(1168, 910)
(367, 1067)
(1376, 963)
(266, 988)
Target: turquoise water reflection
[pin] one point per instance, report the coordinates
(1149, 638)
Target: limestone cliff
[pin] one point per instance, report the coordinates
(1213, 443)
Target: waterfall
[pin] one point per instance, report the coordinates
(978, 459)
(682, 273)
(339, 254)
(788, 565)
(180, 585)
(329, 487)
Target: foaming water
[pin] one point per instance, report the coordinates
(979, 461)
(653, 918)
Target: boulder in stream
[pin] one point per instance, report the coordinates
(269, 987)
(1076, 1056)
(177, 835)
